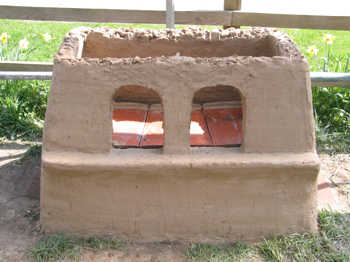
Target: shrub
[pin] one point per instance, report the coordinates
(331, 105)
(22, 103)
(22, 108)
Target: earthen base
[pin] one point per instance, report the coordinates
(213, 195)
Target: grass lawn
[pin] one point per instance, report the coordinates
(305, 38)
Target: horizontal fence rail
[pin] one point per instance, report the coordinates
(26, 66)
(225, 17)
(330, 79)
(113, 15)
(19, 75)
(26, 71)
(291, 21)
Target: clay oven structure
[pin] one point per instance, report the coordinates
(179, 135)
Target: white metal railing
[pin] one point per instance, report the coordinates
(44, 72)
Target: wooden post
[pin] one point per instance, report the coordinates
(170, 14)
(232, 5)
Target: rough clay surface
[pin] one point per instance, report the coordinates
(86, 42)
(179, 193)
(276, 93)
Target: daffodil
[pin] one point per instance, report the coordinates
(23, 44)
(4, 37)
(47, 37)
(312, 50)
(328, 39)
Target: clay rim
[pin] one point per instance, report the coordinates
(72, 47)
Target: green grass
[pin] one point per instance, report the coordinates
(32, 31)
(44, 51)
(55, 248)
(305, 38)
(63, 248)
(329, 245)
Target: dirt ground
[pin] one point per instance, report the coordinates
(19, 209)
(19, 202)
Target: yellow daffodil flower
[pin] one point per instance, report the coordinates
(328, 39)
(4, 37)
(312, 50)
(23, 44)
(47, 37)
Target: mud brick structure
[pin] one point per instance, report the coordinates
(179, 135)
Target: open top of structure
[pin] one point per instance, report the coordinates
(124, 43)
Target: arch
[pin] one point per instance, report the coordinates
(137, 118)
(217, 117)
(137, 94)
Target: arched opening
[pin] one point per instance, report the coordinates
(137, 118)
(217, 115)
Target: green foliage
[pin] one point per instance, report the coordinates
(22, 103)
(331, 105)
(271, 251)
(60, 247)
(22, 108)
(13, 53)
(55, 248)
(11, 50)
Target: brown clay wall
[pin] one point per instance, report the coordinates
(122, 48)
(200, 198)
(275, 91)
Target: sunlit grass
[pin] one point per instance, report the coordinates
(330, 244)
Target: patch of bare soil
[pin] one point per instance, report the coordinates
(19, 202)
(156, 252)
(337, 170)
